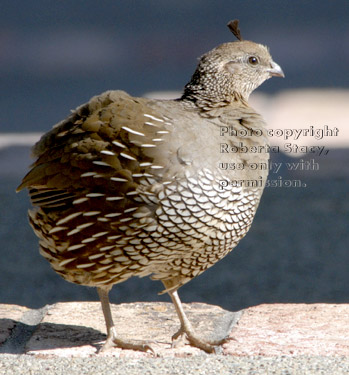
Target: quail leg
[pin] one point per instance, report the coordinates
(186, 329)
(113, 341)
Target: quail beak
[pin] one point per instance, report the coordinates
(275, 70)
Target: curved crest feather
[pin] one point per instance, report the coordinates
(234, 28)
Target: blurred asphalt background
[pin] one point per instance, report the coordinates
(55, 55)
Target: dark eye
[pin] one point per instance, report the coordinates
(253, 60)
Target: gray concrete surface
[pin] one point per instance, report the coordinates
(204, 365)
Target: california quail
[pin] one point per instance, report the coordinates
(133, 187)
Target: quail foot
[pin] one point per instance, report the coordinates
(130, 186)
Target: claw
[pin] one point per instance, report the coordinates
(115, 342)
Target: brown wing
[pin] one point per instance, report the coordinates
(109, 146)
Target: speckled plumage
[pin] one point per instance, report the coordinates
(131, 186)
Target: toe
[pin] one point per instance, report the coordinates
(115, 342)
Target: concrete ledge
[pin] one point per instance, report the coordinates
(292, 329)
(77, 329)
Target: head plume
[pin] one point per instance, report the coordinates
(234, 28)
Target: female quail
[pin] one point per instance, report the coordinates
(132, 186)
